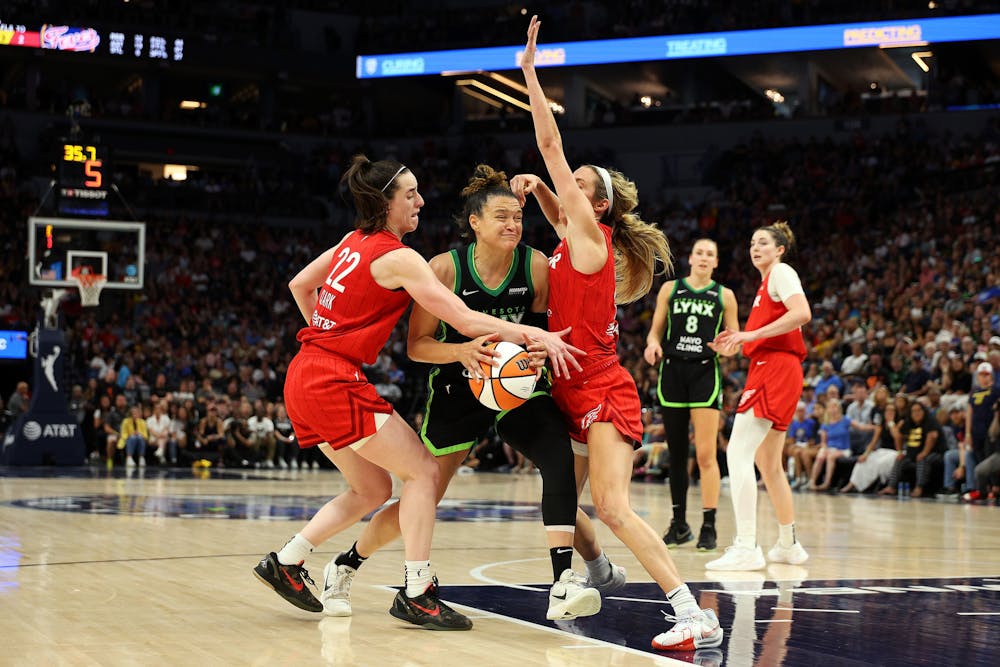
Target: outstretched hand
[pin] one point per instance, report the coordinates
(536, 354)
(728, 342)
(528, 56)
(561, 353)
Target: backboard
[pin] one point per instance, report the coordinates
(114, 248)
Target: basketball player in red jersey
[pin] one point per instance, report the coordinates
(494, 273)
(364, 284)
(591, 212)
(773, 342)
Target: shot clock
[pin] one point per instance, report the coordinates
(83, 173)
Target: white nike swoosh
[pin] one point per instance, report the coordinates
(468, 292)
(563, 551)
(761, 363)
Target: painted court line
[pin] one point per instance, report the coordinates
(818, 611)
(477, 573)
(659, 658)
(979, 613)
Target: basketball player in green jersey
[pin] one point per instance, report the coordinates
(498, 275)
(692, 310)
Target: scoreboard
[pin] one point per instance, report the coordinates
(83, 173)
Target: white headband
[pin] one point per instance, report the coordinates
(606, 177)
(389, 182)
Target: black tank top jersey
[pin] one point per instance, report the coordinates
(509, 301)
(694, 320)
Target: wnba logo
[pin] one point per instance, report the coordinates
(522, 364)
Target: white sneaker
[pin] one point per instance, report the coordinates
(142, 461)
(614, 583)
(282, 463)
(315, 465)
(570, 597)
(294, 464)
(129, 462)
(336, 595)
(793, 555)
(738, 558)
(690, 632)
(269, 463)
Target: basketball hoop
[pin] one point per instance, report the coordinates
(90, 286)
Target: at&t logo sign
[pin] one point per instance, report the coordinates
(32, 430)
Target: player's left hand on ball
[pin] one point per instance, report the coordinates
(475, 353)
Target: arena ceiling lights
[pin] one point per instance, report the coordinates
(668, 47)
(488, 87)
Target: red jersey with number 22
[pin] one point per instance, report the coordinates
(354, 316)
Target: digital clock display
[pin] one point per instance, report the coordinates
(82, 166)
(83, 170)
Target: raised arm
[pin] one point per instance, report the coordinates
(524, 184)
(587, 249)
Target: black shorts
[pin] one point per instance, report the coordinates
(454, 420)
(690, 383)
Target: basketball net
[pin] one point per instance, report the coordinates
(90, 286)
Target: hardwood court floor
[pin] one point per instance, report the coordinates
(97, 568)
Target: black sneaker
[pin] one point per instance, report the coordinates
(427, 611)
(288, 581)
(706, 538)
(677, 534)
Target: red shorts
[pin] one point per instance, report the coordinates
(329, 399)
(606, 395)
(773, 388)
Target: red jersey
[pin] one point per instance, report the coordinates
(766, 310)
(354, 315)
(586, 303)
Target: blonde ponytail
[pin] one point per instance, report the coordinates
(638, 245)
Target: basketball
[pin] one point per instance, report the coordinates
(510, 383)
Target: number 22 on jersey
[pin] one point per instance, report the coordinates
(347, 261)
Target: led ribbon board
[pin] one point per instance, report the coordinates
(703, 45)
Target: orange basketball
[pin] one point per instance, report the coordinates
(508, 384)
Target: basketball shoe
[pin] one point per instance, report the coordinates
(707, 538)
(689, 633)
(427, 611)
(613, 584)
(570, 597)
(793, 555)
(677, 534)
(336, 595)
(288, 581)
(738, 558)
